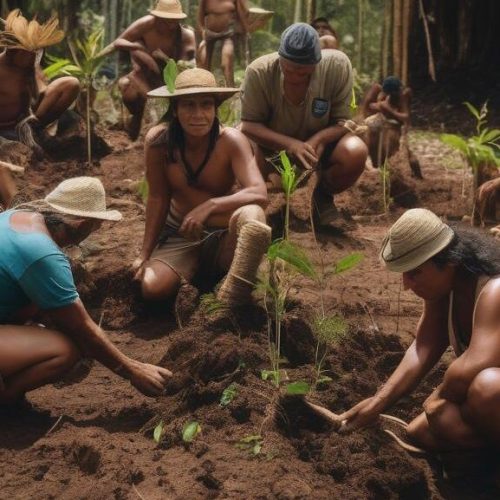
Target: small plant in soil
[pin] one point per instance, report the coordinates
(481, 151)
(158, 432)
(251, 444)
(87, 59)
(190, 431)
(228, 395)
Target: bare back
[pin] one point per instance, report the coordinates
(16, 91)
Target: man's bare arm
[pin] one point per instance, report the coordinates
(132, 38)
(74, 321)
(201, 16)
(371, 98)
(158, 196)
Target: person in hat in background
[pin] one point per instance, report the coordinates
(27, 103)
(457, 274)
(195, 217)
(221, 21)
(386, 110)
(297, 99)
(328, 37)
(152, 40)
(36, 280)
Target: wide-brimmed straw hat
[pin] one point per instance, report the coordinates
(168, 9)
(83, 197)
(195, 81)
(415, 237)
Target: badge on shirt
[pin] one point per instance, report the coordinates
(319, 107)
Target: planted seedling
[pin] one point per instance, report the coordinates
(299, 388)
(158, 432)
(228, 395)
(190, 431)
(251, 443)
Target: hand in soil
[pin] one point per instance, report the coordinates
(137, 268)
(363, 414)
(149, 379)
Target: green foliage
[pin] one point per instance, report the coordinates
(228, 394)
(298, 388)
(270, 375)
(348, 262)
(211, 305)
(251, 443)
(170, 74)
(482, 148)
(293, 255)
(330, 329)
(229, 112)
(143, 190)
(158, 432)
(190, 431)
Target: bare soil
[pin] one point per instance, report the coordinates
(102, 446)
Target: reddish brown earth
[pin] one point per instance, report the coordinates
(103, 445)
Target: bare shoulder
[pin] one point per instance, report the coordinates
(156, 136)
(187, 35)
(231, 135)
(141, 25)
(488, 303)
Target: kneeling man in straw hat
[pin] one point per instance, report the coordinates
(27, 103)
(152, 40)
(195, 218)
(36, 284)
(457, 274)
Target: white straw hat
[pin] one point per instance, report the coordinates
(414, 238)
(195, 81)
(168, 9)
(83, 197)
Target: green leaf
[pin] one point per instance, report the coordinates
(330, 329)
(190, 431)
(228, 394)
(455, 141)
(170, 74)
(158, 431)
(256, 448)
(490, 135)
(324, 379)
(353, 104)
(143, 190)
(269, 375)
(348, 262)
(293, 255)
(251, 438)
(285, 161)
(297, 388)
(474, 111)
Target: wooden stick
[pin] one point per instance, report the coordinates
(432, 68)
(11, 167)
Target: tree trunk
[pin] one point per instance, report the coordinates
(359, 51)
(297, 17)
(396, 38)
(386, 36)
(311, 10)
(405, 40)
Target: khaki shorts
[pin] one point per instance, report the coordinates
(186, 257)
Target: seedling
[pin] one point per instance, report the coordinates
(251, 443)
(170, 74)
(298, 388)
(158, 432)
(228, 395)
(143, 190)
(190, 431)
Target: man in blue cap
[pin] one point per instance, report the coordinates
(386, 109)
(297, 100)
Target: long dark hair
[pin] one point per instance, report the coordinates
(472, 252)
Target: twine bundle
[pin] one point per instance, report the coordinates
(29, 35)
(253, 241)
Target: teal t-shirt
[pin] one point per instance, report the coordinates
(33, 269)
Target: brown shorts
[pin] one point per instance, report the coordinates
(186, 257)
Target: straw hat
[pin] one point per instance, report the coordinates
(168, 9)
(83, 197)
(195, 81)
(30, 36)
(413, 239)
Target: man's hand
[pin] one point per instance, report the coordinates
(304, 152)
(363, 414)
(138, 267)
(145, 60)
(160, 55)
(148, 379)
(192, 225)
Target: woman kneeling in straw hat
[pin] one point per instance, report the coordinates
(35, 278)
(194, 216)
(456, 272)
